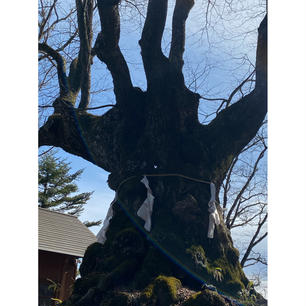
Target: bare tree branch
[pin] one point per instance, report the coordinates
(153, 28)
(261, 56)
(234, 127)
(83, 109)
(61, 67)
(45, 78)
(85, 13)
(64, 45)
(253, 241)
(45, 152)
(229, 219)
(248, 220)
(262, 237)
(228, 101)
(107, 48)
(254, 260)
(136, 7)
(45, 19)
(58, 20)
(151, 37)
(180, 15)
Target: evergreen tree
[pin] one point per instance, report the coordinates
(57, 187)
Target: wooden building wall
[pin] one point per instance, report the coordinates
(59, 268)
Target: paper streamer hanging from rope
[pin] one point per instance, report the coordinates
(214, 218)
(101, 236)
(144, 212)
(146, 209)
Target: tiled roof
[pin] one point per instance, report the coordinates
(62, 233)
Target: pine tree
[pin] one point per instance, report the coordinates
(57, 187)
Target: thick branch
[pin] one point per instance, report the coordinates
(260, 239)
(61, 67)
(234, 127)
(74, 77)
(107, 48)
(261, 56)
(82, 134)
(84, 13)
(180, 15)
(150, 42)
(153, 28)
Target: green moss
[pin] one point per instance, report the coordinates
(248, 296)
(198, 255)
(162, 292)
(168, 285)
(232, 277)
(205, 298)
(147, 293)
(232, 255)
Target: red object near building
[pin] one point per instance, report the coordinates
(62, 240)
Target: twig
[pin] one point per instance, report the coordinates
(43, 153)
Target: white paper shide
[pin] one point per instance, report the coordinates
(146, 209)
(214, 218)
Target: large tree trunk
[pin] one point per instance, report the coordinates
(156, 132)
(177, 244)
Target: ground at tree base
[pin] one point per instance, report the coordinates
(163, 291)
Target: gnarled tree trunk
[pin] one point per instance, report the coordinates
(153, 132)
